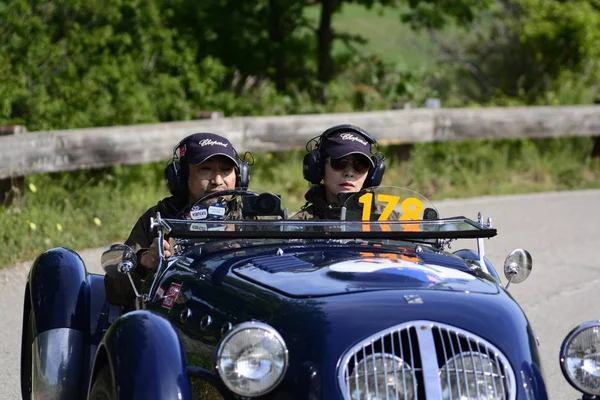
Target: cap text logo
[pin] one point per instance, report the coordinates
(352, 138)
(210, 142)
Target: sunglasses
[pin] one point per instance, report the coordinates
(360, 164)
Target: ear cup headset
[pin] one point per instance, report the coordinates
(176, 172)
(313, 166)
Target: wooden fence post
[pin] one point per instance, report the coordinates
(596, 148)
(11, 189)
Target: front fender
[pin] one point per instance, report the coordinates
(533, 381)
(145, 357)
(59, 291)
(58, 305)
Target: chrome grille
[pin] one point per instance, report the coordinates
(425, 360)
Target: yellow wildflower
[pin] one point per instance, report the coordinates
(97, 221)
(32, 188)
(59, 227)
(32, 226)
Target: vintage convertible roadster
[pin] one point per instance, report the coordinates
(374, 306)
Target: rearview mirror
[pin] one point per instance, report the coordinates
(517, 266)
(118, 259)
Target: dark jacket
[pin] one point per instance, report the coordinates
(317, 207)
(119, 290)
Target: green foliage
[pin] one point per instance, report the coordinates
(440, 13)
(563, 38)
(380, 85)
(75, 209)
(91, 63)
(84, 63)
(79, 63)
(463, 169)
(381, 35)
(260, 38)
(418, 13)
(528, 52)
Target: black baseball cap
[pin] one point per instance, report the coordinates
(345, 143)
(199, 147)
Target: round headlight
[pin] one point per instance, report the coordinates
(580, 358)
(471, 376)
(252, 359)
(381, 376)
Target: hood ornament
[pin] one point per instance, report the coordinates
(413, 299)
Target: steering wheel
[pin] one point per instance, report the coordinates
(221, 193)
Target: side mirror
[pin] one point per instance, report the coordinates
(118, 259)
(517, 266)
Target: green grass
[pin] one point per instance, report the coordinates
(387, 36)
(86, 209)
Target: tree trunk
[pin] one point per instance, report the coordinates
(325, 33)
(277, 36)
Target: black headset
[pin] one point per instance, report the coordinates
(313, 166)
(176, 172)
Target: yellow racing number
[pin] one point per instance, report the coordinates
(411, 207)
(391, 202)
(366, 200)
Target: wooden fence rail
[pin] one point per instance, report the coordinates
(64, 150)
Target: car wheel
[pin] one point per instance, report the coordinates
(103, 388)
(27, 359)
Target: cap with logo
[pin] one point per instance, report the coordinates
(199, 147)
(346, 143)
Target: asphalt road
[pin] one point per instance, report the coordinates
(561, 230)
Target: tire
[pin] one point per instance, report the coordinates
(27, 359)
(103, 387)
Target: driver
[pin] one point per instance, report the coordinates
(341, 162)
(207, 163)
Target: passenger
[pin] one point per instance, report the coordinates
(203, 163)
(342, 161)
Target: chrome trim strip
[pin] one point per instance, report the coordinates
(412, 354)
(395, 368)
(58, 364)
(485, 380)
(433, 388)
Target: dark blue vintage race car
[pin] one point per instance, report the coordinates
(371, 307)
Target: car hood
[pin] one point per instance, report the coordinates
(331, 272)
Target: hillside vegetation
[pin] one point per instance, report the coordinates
(83, 63)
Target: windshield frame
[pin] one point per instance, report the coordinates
(327, 229)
